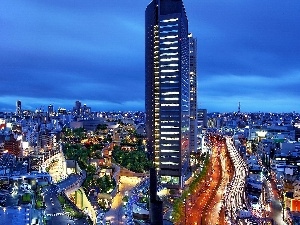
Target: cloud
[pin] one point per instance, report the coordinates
(247, 37)
(63, 51)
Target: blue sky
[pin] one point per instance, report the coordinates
(59, 51)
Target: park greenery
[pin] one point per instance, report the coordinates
(82, 152)
(104, 184)
(83, 146)
(39, 200)
(178, 207)
(135, 161)
(69, 209)
(133, 139)
(26, 198)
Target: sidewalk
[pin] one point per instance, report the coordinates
(35, 214)
(116, 214)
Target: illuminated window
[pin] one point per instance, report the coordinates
(170, 163)
(169, 20)
(169, 71)
(170, 99)
(169, 132)
(170, 48)
(168, 37)
(169, 59)
(169, 42)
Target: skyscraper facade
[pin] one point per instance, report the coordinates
(77, 108)
(167, 97)
(50, 110)
(193, 93)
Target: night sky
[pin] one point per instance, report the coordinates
(58, 51)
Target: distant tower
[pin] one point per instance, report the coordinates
(239, 108)
(50, 110)
(77, 108)
(18, 107)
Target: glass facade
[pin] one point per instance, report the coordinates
(168, 89)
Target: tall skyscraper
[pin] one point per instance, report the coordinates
(167, 102)
(193, 93)
(18, 107)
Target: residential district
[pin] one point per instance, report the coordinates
(82, 167)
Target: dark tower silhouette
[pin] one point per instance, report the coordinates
(156, 206)
(18, 107)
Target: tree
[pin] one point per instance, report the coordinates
(90, 169)
(101, 127)
(136, 161)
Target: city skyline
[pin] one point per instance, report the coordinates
(57, 52)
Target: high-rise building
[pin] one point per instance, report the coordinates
(50, 110)
(202, 118)
(167, 102)
(80, 110)
(18, 107)
(202, 124)
(77, 108)
(12, 145)
(85, 110)
(193, 93)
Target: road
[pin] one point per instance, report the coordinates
(54, 211)
(235, 194)
(203, 207)
(276, 207)
(218, 212)
(208, 206)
